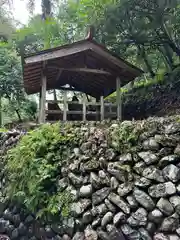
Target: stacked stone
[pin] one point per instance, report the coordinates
(133, 195)
(18, 225)
(9, 139)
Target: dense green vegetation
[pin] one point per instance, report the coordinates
(34, 168)
(13, 97)
(146, 33)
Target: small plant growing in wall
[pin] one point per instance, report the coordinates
(34, 167)
(124, 136)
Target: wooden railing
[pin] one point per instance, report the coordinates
(99, 110)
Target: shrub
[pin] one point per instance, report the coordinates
(34, 167)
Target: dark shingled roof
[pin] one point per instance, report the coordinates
(78, 56)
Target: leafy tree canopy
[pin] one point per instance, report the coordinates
(144, 32)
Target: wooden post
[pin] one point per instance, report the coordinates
(102, 108)
(43, 100)
(84, 107)
(39, 113)
(110, 110)
(65, 106)
(118, 99)
(97, 110)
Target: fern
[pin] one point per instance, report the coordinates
(33, 167)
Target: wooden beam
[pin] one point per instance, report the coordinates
(84, 107)
(98, 109)
(43, 99)
(105, 53)
(59, 74)
(102, 108)
(80, 47)
(87, 103)
(39, 113)
(86, 70)
(58, 53)
(65, 106)
(118, 99)
(73, 112)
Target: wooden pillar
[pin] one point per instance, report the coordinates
(43, 99)
(65, 106)
(118, 99)
(39, 113)
(102, 108)
(97, 110)
(84, 107)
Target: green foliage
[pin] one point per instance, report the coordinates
(6, 24)
(34, 167)
(15, 104)
(3, 130)
(54, 31)
(146, 33)
(123, 138)
(11, 78)
(10, 74)
(142, 88)
(29, 109)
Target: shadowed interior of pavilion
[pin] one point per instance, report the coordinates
(84, 66)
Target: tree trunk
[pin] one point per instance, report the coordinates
(16, 110)
(55, 95)
(174, 48)
(148, 66)
(170, 42)
(169, 56)
(167, 60)
(18, 114)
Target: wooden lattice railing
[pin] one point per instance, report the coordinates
(84, 109)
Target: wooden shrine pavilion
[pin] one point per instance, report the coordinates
(84, 66)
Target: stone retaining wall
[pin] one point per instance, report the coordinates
(132, 192)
